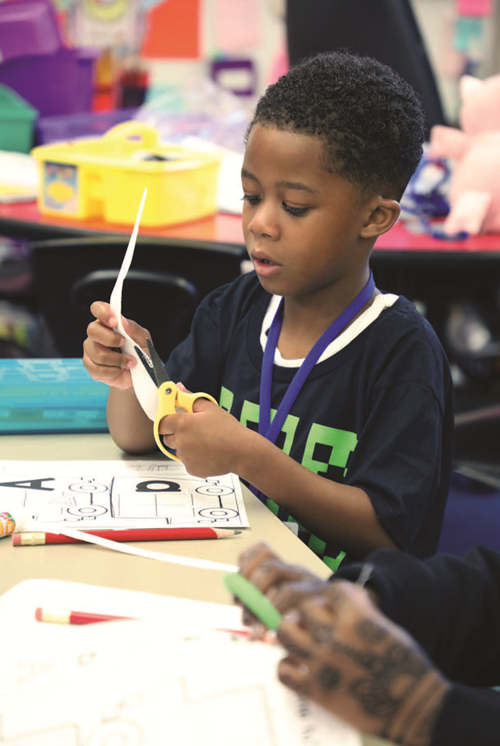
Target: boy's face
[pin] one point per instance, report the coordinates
(301, 223)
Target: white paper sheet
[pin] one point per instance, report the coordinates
(145, 683)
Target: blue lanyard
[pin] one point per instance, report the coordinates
(268, 429)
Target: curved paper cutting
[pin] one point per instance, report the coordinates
(144, 388)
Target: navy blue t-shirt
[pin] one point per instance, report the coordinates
(378, 414)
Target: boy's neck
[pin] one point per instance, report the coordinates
(303, 324)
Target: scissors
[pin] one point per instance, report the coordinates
(170, 397)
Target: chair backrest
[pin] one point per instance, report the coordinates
(59, 264)
(384, 29)
(164, 303)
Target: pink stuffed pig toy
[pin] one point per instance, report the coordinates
(475, 182)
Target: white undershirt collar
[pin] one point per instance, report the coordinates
(380, 302)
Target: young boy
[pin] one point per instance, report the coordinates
(361, 455)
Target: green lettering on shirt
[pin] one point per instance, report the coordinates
(341, 442)
(226, 398)
(250, 413)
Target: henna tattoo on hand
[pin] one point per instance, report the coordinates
(386, 678)
(329, 678)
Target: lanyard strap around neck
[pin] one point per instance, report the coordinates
(268, 429)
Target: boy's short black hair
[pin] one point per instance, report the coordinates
(370, 120)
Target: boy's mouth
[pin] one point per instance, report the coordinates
(263, 265)
(262, 258)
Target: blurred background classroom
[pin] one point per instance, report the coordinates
(187, 73)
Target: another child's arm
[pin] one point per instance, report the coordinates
(213, 442)
(129, 426)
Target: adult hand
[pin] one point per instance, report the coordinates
(102, 356)
(285, 585)
(346, 656)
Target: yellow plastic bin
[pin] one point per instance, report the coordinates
(105, 178)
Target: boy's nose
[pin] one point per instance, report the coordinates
(264, 223)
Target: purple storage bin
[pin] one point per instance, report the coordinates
(28, 27)
(35, 63)
(57, 83)
(72, 126)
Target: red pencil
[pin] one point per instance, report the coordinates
(74, 617)
(23, 539)
(63, 616)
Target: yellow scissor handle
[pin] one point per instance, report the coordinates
(170, 398)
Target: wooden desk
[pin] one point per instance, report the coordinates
(98, 566)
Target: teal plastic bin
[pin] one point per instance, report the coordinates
(50, 395)
(17, 121)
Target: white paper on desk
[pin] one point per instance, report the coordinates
(144, 388)
(91, 495)
(19, 177)
(132, 683)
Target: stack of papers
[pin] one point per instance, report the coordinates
(19, 177)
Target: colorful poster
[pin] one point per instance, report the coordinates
(237, 25)
(475, 7)
(173, 30)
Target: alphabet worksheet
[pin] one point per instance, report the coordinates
(92, 495)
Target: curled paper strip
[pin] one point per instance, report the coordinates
(148, 554)
(145, 390)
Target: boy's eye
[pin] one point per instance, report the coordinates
(252, 199)
(297, 212)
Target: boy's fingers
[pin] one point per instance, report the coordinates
(202, 405)
(168, 424)
(102, 370)
(102, 311)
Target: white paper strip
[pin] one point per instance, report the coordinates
(127, 549)
(144, 387)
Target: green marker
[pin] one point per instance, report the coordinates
(253, 599)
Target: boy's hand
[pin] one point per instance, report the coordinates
(346, 656)
(208, 441)
(102, 356)
(286, 586)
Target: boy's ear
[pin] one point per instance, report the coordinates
(381, 216)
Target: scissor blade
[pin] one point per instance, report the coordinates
(158, 367)
(148, 365)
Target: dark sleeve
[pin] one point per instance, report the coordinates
(403, 456)
(469, 717)
(451, 606)
(196, 362)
